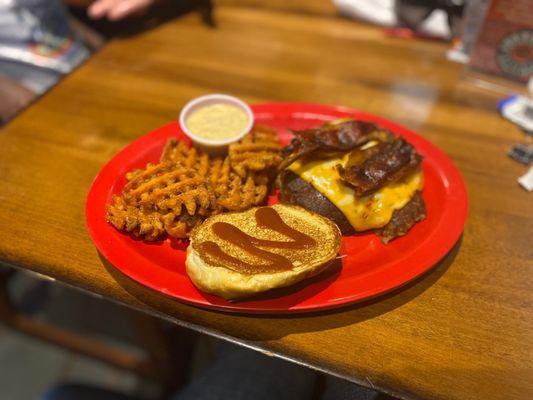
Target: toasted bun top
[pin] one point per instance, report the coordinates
(322, 230)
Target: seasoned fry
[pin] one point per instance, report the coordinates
(256, 152)
(133, 220)
(186, 186)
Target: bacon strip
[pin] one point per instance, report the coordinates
(371, 169)
(343, 136)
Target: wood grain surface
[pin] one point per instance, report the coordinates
(463, 331)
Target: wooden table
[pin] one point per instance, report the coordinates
(463, 331)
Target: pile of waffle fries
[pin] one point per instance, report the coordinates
(186, 186)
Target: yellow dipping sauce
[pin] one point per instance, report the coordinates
(217, 121)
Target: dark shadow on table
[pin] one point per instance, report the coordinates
(245, 326)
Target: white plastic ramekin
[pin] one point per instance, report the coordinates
(213, 145)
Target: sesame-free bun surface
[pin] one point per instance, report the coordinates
(211, 276)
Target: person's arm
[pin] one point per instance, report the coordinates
(118, 9)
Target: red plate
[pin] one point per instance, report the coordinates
(369, 268)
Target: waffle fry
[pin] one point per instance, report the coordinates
(177, 151)
(186, 186)
(180, 226)
(256, 152)
(134, 220)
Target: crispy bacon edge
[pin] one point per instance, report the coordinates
(385, 164)
(342, 136)
(388, 163)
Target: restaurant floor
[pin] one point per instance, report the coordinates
(29, 366)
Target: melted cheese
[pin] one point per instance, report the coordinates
(368, 212)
